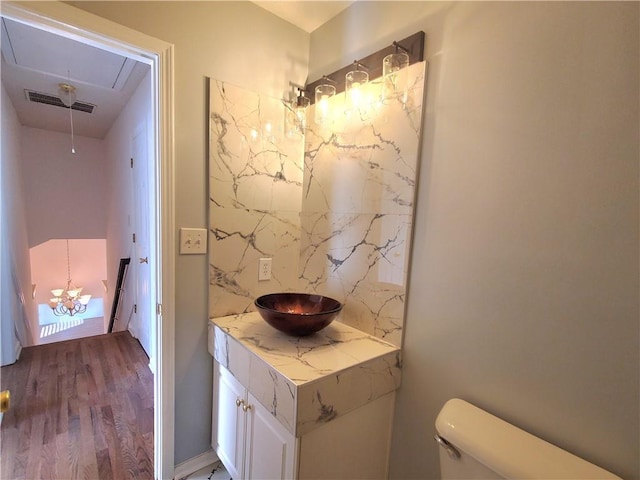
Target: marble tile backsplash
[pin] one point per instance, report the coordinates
(255, 191)
(333, 208)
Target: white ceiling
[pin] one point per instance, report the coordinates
(307, 15)
(39, 61)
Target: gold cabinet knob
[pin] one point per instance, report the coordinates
(5, 400)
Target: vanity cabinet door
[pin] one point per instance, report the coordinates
(229, 434)
(251, 443)
(270, 448)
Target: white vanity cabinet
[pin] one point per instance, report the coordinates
(251, 443)
(291, 408)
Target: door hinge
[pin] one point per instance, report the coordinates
(159, 309)
(134, 238)
(135, 308)
(131, 162)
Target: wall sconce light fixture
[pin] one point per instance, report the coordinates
(354, 83)
(295, 113)
(394, 74)
(300, 110)
(323, 93)
(390, 65)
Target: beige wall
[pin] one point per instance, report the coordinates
(15, 275)
(524, 278)
(236, 42)
(523, 296)
(46, 163)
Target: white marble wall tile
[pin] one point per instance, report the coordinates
(366, 163)
(357, 209)
(362, 261)
(255, 188)
(253, 164)
(238, 239)
(336, 218)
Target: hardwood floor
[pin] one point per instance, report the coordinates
(80, 409)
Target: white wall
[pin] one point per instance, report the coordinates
(15, 275)
(120, 206)
(87, 265)
(236, 42)
(523, 295)
(66, 191)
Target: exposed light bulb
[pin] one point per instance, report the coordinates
(323, 93)
(355, 81)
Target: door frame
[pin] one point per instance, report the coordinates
(74, 23)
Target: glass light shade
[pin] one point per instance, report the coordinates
(57, 292)
(394, 76)
(74, 292)
(53, 302)
(300, 112)
(355, 81)
(323, 94)
(84, 299)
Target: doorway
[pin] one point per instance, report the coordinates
(70, 22)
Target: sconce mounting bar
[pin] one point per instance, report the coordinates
(414, 46)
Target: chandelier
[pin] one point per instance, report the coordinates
(68, 301)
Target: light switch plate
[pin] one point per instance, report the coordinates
(193, 241)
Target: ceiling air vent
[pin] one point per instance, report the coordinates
(47, 99)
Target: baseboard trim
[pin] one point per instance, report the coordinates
(194, 464)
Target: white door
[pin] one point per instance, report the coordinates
(141, 324)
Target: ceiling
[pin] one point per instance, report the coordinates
(307, 15)
(38, 61)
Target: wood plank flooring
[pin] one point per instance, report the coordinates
(80, 409)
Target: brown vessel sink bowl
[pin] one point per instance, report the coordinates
(298, 314)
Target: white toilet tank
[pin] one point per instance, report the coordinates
(477, 445)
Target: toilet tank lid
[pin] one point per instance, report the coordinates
(508, 450)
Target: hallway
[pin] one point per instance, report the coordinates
(79, 409)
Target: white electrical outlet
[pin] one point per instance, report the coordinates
(193, 241)
(264, 269)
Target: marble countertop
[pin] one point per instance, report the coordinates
(305, 381)
(304, 359)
